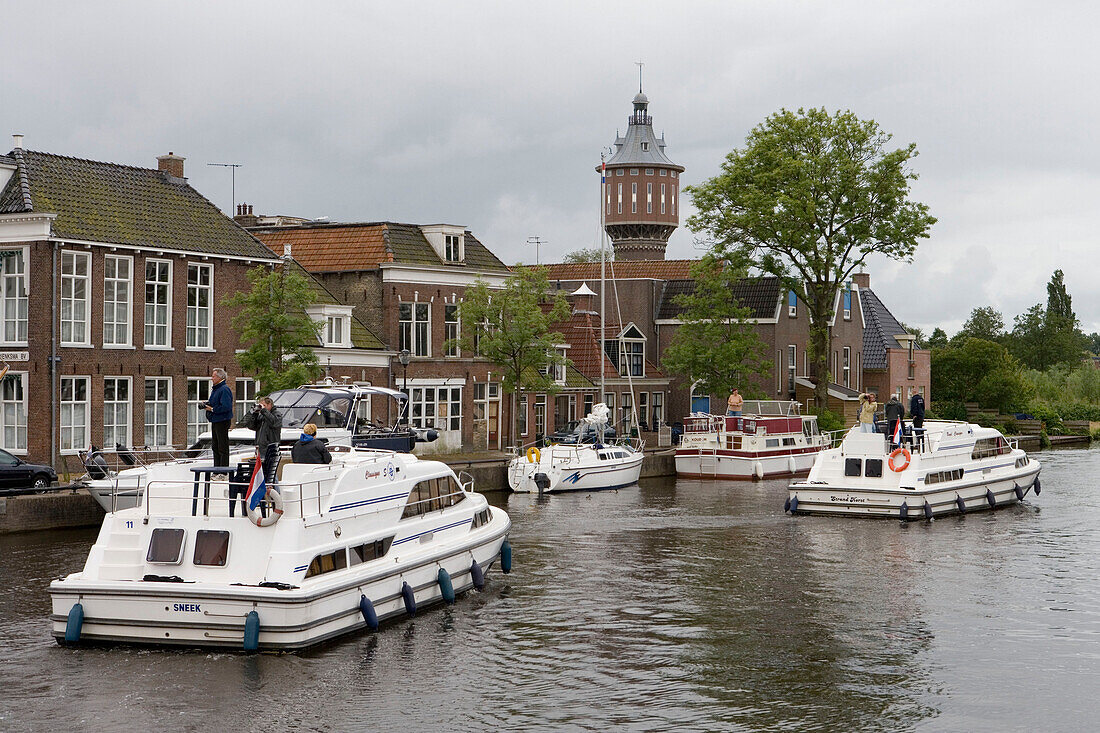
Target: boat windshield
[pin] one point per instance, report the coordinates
(301, 406)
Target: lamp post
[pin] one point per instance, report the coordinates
(404, 357)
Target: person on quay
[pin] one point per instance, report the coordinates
(309, 448)
(867, 408)
(219, 411)
(734, 404)
(268, 424)
(895, 413)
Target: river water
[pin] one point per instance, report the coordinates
(676, 605)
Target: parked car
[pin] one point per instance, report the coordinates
(572, 433)
(15, 473)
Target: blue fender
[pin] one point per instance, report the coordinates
(1019, 493)
(477, 575)
(787, 505)
(1038, 488)
(369, 614)
(903, 513)
(445, 585)
(506, 557)
(74, 624)
(252, 631)
(927, 510)
(794, 504)
(990, 498)
(960, 503)
(409, 598)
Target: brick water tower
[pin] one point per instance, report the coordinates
(641, 190)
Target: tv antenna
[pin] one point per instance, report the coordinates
(536, 241)
(233, 168)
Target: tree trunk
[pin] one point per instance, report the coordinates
(819, 352)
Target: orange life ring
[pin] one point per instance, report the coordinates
(902, 467)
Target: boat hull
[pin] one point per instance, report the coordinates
(209, 615)
(568, 477)
(720, 465)
(805, 498)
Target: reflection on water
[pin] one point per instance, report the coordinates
(673, 606)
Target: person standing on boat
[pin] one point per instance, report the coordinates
(219, 411)
(916, 412)
(309, 448)
(867, 408)
(734, 404)
(268, 424)
(895, 413)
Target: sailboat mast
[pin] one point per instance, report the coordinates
(603, 275)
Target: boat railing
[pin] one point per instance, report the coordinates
(466, 481)
(203, 496)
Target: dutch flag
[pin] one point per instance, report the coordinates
(897, 433)
(257, 488)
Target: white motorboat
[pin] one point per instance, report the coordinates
(345, 414)
(770, 439)
(948, 468)
(339, 547)
(579, 465)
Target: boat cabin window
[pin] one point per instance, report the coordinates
(432, 495)
(990, 447)
(481, 519)
(772, 442)
(873, 468)
(788, 441)
(370, 551)
(853, 467)
(941, 476)
(211, 547)
(166, 547)
(328, 562)
(332, 414)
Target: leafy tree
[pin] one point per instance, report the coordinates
(920, 340)
(588, 255)
(1059, 302)
(274, 327)
(809, 198)
(984, 323)
(938, 339)
(979, 371)
(1043, 338)
(1092, 342)
(511, 328)
(716, 346)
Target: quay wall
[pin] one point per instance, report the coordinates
(56, 510)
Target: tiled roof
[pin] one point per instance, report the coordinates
(361, 336)
(581, 332)
(126, 205)
(365, 246)
(880, 328)
(625, 270)
(759, 294)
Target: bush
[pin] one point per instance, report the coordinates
(985, 420)
(827, 420)
(948, 410)
(1011, 427)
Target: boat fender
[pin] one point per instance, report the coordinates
(787, 505)
(542, 482)
(1019, 493)
(960, 504)
(904, 452)
(506, 557)
(794, 504)
(792, 467)
(758, 470)
(990, 498)
(927, 510)
(533, 455)
(904, 513)
(477, 575)
(274, 503)
(409, 598)
(445, 586)
(369, 614)
(74, 624)
(1038, 489)
(252, 631)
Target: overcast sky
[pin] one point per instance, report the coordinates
(493, 115)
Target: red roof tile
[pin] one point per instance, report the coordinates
(332, 248)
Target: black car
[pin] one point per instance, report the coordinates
(574, 433)
(15, 473)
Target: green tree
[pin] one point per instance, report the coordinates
(1092, 343)
(938, 339)
(511, 328)
(1043, 338)
(1059, 303)
(979, 371)
(984, 323)
(809, 198)
(274, 327)
(588, 255)
(715, 346)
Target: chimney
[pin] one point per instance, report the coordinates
(17, 141)
(171, 164)
(863, 280)
(245, 217)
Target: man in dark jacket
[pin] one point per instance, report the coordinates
(219, 411)
(895, 411)
(309, 449)
(268, 424)
(916, 411)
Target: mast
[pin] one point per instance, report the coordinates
(603, 277)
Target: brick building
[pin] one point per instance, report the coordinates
(893, 365)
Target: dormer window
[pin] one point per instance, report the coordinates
(448, 241)
(792, 304)
(632, 352)
(847, 305)
(334, 330)
(452, 247)
(645, 147)
(333, 325)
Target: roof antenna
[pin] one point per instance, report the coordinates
(233, 168)
(639, 64)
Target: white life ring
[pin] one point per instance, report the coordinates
(274, 502)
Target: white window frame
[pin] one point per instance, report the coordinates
(657, 408)
(195, 330)
(14, 290)
(847, 366)
(452, 330)
(414, 336)
(336, 330)
(607, 192)
(620, 194)
(197, 424)
(124, 304)
(649, 198)
(13, 413)
(167, 404)
(442, 410)
(792, 366)
(662, 196)
(245, 392)
(452, 247)
(69, 298)
(154, 310)
(115, 409)
(643, 408)
(74, 436)
(561, 369)
(634, 196)
(521, 408)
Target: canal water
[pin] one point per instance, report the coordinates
(673, 606)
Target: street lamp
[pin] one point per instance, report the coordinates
(404, 357)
